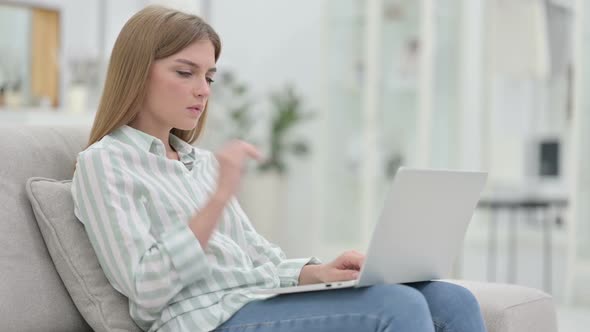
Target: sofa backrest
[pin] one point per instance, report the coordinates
(32, 295)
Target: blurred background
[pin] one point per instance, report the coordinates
(339, 93)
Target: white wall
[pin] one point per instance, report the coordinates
(80, 26)
(117, 13)
(579, 218)
(269, 43)
(471, 74)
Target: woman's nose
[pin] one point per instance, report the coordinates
(202, 88)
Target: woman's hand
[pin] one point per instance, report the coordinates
(232, 158)
(345, 267)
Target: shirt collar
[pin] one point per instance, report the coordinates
(147, 142)
(186, 152)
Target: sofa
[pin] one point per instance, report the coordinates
(36, 294)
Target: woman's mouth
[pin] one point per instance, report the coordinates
(194, 110)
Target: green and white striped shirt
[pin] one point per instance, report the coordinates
(135, 204)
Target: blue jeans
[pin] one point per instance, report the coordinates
(425, 306)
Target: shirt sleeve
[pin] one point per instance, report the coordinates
(259, 249)
(262, 251)
(149, 271)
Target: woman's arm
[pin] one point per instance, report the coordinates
(204, 222)
(298, 271)
(261, 251)
(309, 275)
(230, 162)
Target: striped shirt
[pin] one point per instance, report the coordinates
(136, 203)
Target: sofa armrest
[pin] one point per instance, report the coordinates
(512, 308)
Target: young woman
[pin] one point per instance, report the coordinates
(162, 217)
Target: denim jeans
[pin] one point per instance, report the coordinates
(425, 306)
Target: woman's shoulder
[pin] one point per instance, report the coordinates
(103, 156)
(105, 147)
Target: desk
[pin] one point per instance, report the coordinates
(547, 210)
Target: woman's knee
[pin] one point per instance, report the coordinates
(448, 294)
(394, 295)
(452, 306)
(465, 297)
(402, 307)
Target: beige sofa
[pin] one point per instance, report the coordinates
(33, 297)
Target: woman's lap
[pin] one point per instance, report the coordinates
(377, 308)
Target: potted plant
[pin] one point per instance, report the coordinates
(287, 112)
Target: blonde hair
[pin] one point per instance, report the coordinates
(153, 33)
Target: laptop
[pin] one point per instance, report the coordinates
(420, 231)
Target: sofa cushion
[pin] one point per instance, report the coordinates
(33, 297)
(103, 308)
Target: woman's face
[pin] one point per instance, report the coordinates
(179, 86)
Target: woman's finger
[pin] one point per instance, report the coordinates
(342, 275)
(352, 259)
(252, 152)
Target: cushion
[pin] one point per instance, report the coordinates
(32, 296)
(103, 308)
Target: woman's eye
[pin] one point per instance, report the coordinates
(210, 80)
(184, 73)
